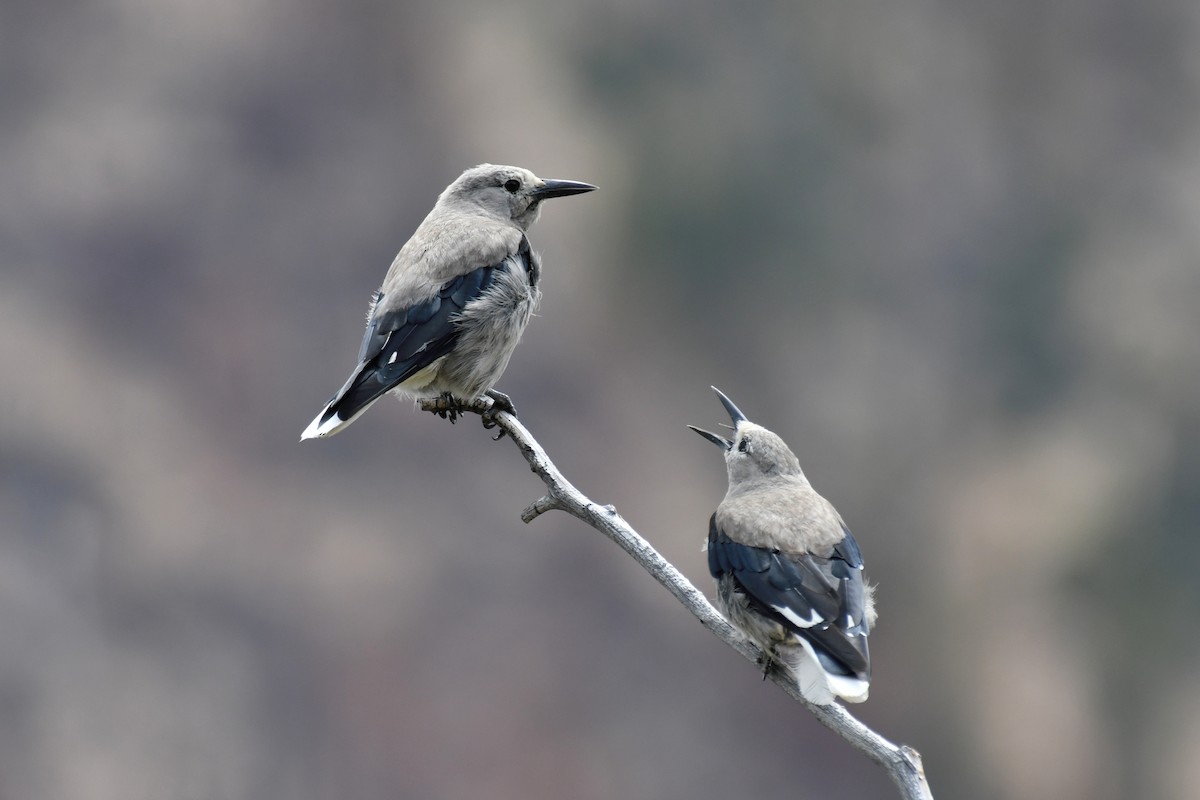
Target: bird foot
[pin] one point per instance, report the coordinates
(447, 406)
(500, 402)
(767, 663)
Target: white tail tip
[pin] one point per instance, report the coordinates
(319, 430)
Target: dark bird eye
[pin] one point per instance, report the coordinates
(511, 185)
(743, 445)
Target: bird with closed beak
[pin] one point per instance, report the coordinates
(789, 573)
(456, 300)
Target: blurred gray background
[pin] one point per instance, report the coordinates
(948, 250)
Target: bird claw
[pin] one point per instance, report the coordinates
(767, 663)
(447, 406)
(500, 402)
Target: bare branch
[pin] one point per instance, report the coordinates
(902, 763)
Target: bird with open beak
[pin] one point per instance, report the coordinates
(789, 573)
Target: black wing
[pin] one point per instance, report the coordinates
(400, 342)
(820, 599)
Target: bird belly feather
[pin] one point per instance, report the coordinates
(417, 383)
(491, 327)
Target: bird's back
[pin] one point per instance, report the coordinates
(786, 515)
(449, 242)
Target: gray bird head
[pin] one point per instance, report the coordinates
(509, 193)
(754, 452)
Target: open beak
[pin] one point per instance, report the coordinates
(553, 188)
(734, 413)
(719, 441)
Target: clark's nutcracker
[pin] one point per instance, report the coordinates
(456, 299)
(789, 574)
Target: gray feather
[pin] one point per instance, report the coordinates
(789, 572)
(456, 298)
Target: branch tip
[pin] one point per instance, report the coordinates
(903, 763)
(539, 507)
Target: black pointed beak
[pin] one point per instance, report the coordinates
(554, 188)
(735, 414)
(719, 441)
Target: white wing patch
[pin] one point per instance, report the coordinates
(813, 619)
